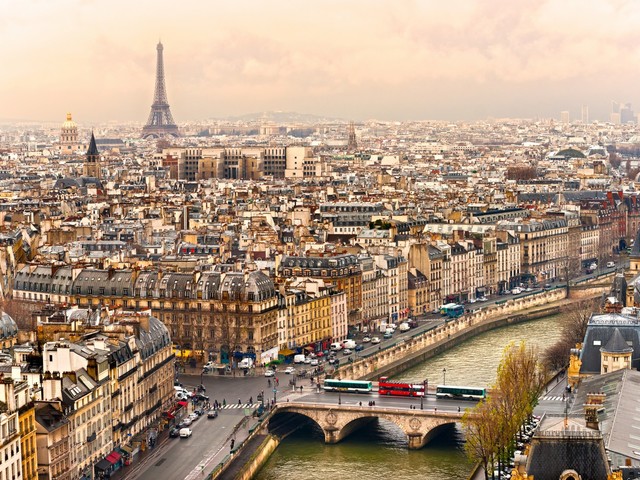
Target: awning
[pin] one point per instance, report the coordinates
(113, 457)
(182, 403)
(309, 348)
(286, 353)
(103, 465)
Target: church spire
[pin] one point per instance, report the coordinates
(92, 161)
(93, 148)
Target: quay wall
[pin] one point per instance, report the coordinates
(259, 458)
(411, 350)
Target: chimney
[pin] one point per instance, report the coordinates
(144, 322)
(595, 402)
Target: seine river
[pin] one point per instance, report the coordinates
(380, 449)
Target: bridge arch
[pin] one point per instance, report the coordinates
(337, 422)
(284, 421)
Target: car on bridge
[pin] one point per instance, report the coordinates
(269, 373)
(375, 340)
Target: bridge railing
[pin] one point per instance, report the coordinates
(365, 408)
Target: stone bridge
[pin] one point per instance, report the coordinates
(338, 421)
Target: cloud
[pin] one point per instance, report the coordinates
(373, 57)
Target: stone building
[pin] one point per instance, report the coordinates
(342, 270)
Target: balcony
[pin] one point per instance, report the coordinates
(128, 407)
(91, 437)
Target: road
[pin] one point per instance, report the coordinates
(210, 444)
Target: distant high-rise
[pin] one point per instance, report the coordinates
(564, 116)
(160, 121)
(626, 113)
(352, 144)
(584, 114)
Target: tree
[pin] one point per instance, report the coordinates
(576, 319)
(482, 430)
(491, 426)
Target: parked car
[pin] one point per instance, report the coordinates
(347, 351)
(359, 348)
(366, 340)
(314, 362)
(185, 432)
(194, 416)
(516, 291)
(290, 370)
(482, 299)
(174, 432)
(611, 264)
(185, 422)
(375, 340)
(269, 373)
(387, 334)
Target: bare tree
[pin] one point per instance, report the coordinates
(576, 318)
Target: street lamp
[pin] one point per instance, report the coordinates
(444, 376)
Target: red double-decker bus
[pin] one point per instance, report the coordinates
(400, 389)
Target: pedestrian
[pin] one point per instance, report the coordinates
(250, 399)
(300, 388)
(360, 403)
(233, 442)
(268, 382)
(458, 409)
(224, 402)
(239, 402)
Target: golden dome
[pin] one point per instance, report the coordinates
(69, 123)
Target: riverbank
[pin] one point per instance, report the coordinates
(410, 350)
(543, 310)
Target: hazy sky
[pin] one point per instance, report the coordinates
(392, 60)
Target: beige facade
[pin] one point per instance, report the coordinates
(53, 442)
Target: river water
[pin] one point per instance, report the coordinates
(379, 450)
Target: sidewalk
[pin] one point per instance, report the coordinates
(141, 458)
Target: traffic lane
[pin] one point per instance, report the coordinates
(230, 389)
(430, 402)
(184, 455)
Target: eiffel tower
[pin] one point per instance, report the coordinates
(160, 121)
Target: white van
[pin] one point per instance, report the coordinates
(298, 358)
(404, 327)
(337, 346)
(349, 344)
(185, 432)
(245, 363)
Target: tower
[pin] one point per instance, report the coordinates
(160, 121)
(352, 144)
(69, 137)
(91, 166)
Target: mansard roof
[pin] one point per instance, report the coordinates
(94, 279)
(8, 327)
(600, 330)
(153, 340)
(312, 261)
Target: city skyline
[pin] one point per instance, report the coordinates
(357, 60)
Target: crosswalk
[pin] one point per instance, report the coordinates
(553, 398)
(239, 405)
